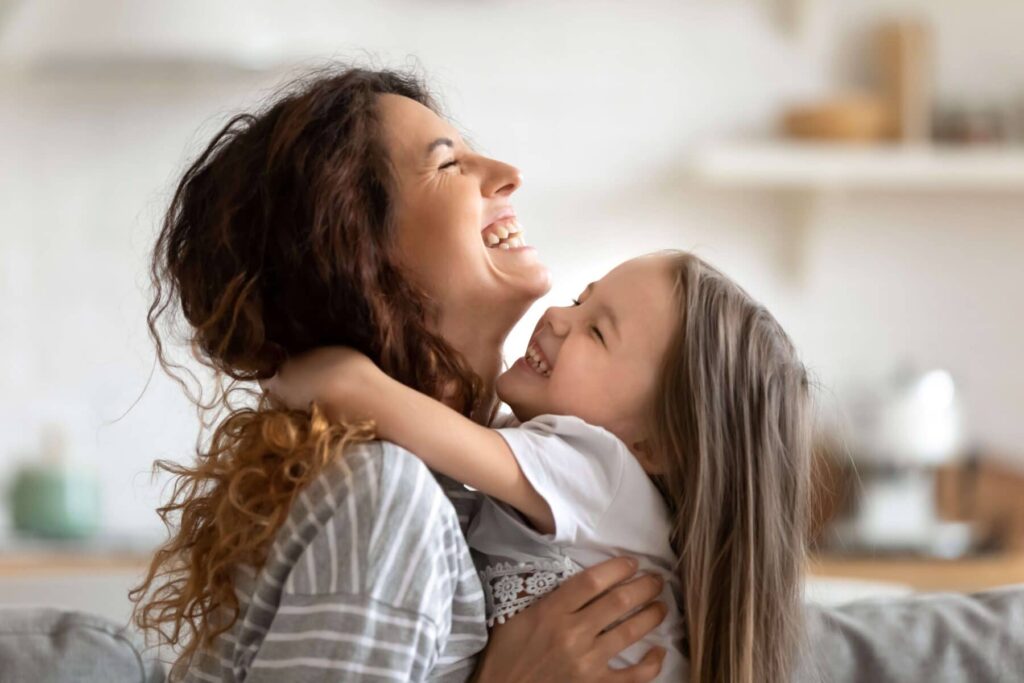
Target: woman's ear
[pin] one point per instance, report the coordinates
(642, 451)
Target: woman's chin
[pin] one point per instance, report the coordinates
(522, 270)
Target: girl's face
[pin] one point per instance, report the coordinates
(456, 227)
(599, 359)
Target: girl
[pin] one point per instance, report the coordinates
(664, 416)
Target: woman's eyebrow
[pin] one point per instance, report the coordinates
(440, 142)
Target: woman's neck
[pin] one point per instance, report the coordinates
(482, 350)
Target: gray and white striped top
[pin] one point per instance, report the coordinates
(370, 579)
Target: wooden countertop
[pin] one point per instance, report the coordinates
(921, 574)
(36, 564)
(105, 553)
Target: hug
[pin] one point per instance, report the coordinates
(395, 500)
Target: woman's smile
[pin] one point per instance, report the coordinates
(505, 233)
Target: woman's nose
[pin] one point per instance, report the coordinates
(499, 179)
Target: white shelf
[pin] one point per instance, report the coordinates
(824, 166)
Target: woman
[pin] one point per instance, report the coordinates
(349, 213)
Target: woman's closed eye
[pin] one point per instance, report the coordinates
(597, 333)
(451, 163)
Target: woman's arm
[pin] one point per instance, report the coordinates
(568, 634)
(347, 385)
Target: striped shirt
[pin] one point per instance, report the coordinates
(370, 579)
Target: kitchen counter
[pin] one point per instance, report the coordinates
(926, 574)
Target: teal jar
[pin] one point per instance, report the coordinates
(56, 501)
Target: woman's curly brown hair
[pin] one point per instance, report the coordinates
(279, 239)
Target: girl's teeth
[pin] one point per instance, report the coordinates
(502, 231)
(516, 242)
(492, 239)
(533, 359)
(504, 245)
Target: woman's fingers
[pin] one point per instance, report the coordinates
(621, 600)
(560, 637)
(631, 630)
(583, 588)
(647, 669)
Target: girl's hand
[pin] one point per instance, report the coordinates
(326, 376)
(562, 636)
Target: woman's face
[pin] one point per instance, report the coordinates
(456, 227)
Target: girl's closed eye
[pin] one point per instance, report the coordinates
(448, 164)
(598, 335)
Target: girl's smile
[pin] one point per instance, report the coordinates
(536, 360)
(599, 358)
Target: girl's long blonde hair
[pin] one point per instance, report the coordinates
(732, 426)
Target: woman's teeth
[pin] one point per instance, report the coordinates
(506, 235)
(536, 360)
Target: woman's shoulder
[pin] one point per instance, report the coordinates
(377, 524)
(380, 471)
(369, 512)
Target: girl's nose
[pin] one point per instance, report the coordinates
(558, 321)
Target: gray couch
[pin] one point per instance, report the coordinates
(938, 638)
(933, 638)
(49, 645)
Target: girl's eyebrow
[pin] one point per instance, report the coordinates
(606, 311)
(610, 314)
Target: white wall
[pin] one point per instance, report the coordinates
(599, 103)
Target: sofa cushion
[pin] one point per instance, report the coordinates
(49, 645)
(938, 638)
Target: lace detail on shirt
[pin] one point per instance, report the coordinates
(511, 587)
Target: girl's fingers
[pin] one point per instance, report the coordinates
(583, 588)
(620, 601)
(647, 669)
(632, 629)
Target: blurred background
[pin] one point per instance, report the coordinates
(859, 167)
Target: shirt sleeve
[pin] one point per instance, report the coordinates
(345, 637)
(576, 467)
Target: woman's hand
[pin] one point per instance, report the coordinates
(326, 376)
(562, 636)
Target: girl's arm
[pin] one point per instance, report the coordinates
(347, 385)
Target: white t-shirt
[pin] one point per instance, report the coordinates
(604, 506)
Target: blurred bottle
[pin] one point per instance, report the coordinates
(905, 50)
(54, 497)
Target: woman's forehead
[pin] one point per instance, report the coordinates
(413, 131)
